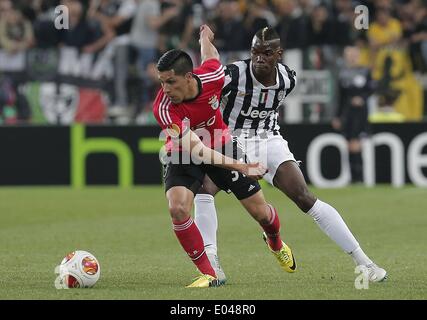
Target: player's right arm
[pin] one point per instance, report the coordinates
(192, 142)
(207, 49)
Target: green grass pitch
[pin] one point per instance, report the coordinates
(129, 231)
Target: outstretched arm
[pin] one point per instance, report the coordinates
(207, 49)
(192, 143)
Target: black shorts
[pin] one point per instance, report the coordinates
(191, 175)
(233, 181)
(186, 175)
(355, 123)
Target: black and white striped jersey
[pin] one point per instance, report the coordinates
(247, 104)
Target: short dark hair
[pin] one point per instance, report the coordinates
(176, 60)
(267, 33)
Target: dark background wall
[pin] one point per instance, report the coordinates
(41, 155)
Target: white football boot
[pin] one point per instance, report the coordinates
(375, 273)
(214, 260)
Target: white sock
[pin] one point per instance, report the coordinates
(360, 258)
(206, 220)
(331, 223)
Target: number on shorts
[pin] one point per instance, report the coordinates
(235, 176)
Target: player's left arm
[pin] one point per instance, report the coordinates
(207, 49)
(228, 77)
(292, 75)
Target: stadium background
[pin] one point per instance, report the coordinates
(101, 71)
(61, 89)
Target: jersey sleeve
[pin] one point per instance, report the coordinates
(168, 116)
(292, 75)
(231, 80)
(211, 71)
(227, 80)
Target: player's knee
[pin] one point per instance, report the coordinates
(354, 145)
(178, 211)
(260, 212)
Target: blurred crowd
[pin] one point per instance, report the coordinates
(394, 47)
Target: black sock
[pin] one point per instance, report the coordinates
(356, 166)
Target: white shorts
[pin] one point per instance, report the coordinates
(271, 152)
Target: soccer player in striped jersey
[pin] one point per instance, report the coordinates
(254, 90)
(187, 107)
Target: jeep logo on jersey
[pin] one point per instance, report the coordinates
(213, 101)
(256, 113)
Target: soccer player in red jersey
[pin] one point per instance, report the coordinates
(186, 107)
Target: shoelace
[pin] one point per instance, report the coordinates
(371, 271)
(204, 276)
(283, 254)
(199, 277)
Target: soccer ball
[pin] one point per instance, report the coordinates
(79, 269)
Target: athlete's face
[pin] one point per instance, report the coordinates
(176, 87)
(264, 56)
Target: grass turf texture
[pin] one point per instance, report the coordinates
(129, 231)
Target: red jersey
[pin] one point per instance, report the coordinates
(202, 112)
